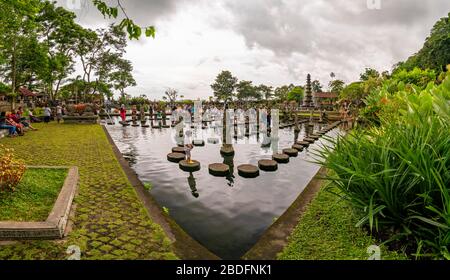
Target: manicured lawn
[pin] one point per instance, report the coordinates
(327, 232)
(34, 196)
(110, 221)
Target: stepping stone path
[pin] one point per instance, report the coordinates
(248, 171)
(297, 147)
(291, 152)
(198, 143)
(192, 166)
(303, 143)
(178, 150)
(175, 157)
(219, 169)
(281, 158)
(310, 140)
(268, 165)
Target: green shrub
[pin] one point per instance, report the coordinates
(398, 174)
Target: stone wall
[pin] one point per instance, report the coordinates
(5, 106)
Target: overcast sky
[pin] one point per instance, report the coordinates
(274, 42)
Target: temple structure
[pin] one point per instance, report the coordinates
(308, 102)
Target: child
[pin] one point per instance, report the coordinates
(187, 150)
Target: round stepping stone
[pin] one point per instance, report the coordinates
(179, 149)
(219, 169)
(248, 171)
(297, 147)
(175, 157)
(145, 125)
(227, 151)
(198, 143)
(135, 125)
(291, 152)
(281, 158)
(321, 133)
(303, 143)
(314, 136)
(191, 166)
(268, 165)
(124, 123)
(310, 140)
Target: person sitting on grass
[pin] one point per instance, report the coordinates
(5, 125)
(32, 118)
(19, 127)
(17, 117)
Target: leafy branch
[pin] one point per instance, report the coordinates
(134, 31)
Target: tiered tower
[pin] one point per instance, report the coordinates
(308, 101)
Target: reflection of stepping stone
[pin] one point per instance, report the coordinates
(198, 143)
(175, 157)
(224, 151)
(191, 166)
(178, 150)
(281, 158)
(291, 152)
(303, 143)
(310, 140)
(248, 171)
(297, 147)
(219, 169)
(268, 165)
(213, 140)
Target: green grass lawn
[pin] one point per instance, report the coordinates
(327, 232)
(34, 196)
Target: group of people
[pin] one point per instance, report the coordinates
(16, 123)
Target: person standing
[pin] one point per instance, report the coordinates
(123, 113)
(59, 113)
(47, 114)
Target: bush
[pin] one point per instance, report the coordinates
(398, 174)
(11, 170)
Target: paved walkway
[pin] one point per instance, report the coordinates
(110, 221)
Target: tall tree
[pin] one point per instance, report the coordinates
(336, 86)
(316, 86)
(172, 95)
(435, 53)
(369, 73)
(122, 77)
(281, 93)
(265, 92)
(296, 94)
(224, 86)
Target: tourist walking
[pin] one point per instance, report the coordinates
(59, 113)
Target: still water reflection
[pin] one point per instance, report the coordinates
(226, 215)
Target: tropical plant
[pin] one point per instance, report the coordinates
(11, 170)
(397, 175)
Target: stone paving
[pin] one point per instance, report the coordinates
(110, 222)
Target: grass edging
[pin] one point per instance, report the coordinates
(55, 225)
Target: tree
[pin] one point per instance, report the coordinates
(16, 28)
(58, 31)
(336, 86)
(435, 53)
(353, 91)
(171, 95)
(296, 94)
(281, 93)
(246, 91)
(316, 86)
(134, 31)
(224, 86)
(122, 77)
(369, 73)
(265, 92)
